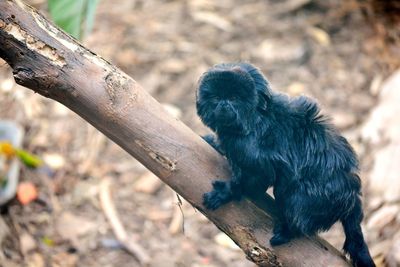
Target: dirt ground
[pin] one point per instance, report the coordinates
(321, 48)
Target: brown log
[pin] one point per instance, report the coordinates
(55, 65)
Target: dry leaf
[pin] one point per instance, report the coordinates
(296, 88)
(225, 241)
(213, 19)
(54, 160)
(173, 66)
(343, 120)
(27, 243)
(35, 260)
(273, 50)
(147, 183)
(64, 259)
(394, 254)
(319, 35)
(382, 217)
(7, 85)
(71, 226)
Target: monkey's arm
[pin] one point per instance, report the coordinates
(212, 141)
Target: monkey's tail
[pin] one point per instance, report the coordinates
(355, 244)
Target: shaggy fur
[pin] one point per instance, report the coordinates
(269, 140)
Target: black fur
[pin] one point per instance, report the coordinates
(269, 140)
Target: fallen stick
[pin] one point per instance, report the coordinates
(120, 233)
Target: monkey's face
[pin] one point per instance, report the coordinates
(226, 99)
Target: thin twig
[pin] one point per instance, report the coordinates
(178, 218)
(120, 233)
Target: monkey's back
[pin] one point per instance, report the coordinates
(321, 185)
(317, 143)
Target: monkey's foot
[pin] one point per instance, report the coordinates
(219, 196)
(280, 238)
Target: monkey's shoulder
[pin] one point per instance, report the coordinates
(307, 109)
(300, 107)
(297, 115)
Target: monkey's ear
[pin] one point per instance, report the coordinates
(263, 100)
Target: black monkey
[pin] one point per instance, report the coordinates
(269, 140)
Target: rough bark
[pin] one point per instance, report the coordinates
(55, 65)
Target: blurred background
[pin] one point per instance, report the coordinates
(346, 54)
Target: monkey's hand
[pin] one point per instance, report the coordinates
(218, 196)
(224, 191)
(212, 141)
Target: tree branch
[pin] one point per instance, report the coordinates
(55, 65)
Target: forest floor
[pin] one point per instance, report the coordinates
(324, 49)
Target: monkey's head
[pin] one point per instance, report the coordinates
(229, 95)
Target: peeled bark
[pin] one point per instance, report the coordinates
(55, 65)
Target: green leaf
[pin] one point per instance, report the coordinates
(90, 12)
(74, 16)
(29, 159)
(48, 241)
